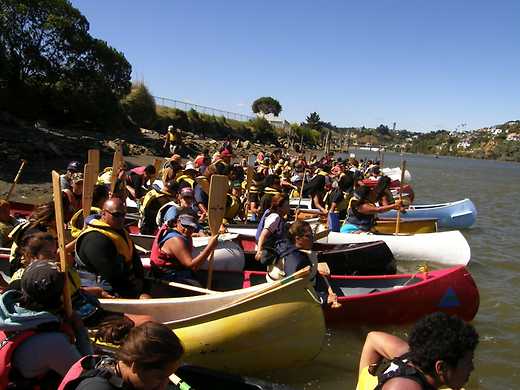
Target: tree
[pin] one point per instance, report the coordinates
(314, 121)
(266, 105)
(51, 61)
(383, 130)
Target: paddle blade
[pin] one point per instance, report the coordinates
(218, 189)
(93, 159)
(249, 177)
(116, 166)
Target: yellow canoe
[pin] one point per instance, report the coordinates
(242, 331)
(409, 226)
(385, 225)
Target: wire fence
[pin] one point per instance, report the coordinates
(185, 106)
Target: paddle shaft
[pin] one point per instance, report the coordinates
(218, 189)
(16, 178)
(187, 287)
(116, 165)
(60, 230)
(301, 196)
(89, 180)
(93, 158)
(398, 220)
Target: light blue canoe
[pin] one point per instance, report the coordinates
(453, 215)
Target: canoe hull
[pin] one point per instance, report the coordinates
(410, 226)
(454, 215)
(449, 248)
(452, 291)
(282, 328)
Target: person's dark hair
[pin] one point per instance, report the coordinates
(43, 215)
(346, 182)
(297, 229)
(363, 193)
(277, 202)
(270, 179)
(150, 346)
(100, 193)
(32, 245)
(382, 185)
(439, 336)
(172, 186)
(150, 169)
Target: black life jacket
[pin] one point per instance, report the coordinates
(400, 368)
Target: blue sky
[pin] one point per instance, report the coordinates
(424, 64)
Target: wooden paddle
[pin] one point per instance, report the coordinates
(116, 166)
(89, 180)
(93, 159)
(16, 178)
(187, 287)
(60, 229)
(249, 179)
(301, 196)
(398, 220)
(218, 189)
(157, 163)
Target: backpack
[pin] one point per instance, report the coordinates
(8, 344)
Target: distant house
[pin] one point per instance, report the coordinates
(513, 137)
(275, 121)
(463, 144)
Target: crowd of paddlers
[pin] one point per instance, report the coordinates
(46, 345)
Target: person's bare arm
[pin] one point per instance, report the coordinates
(367, 208)
(379, 345)
(317, 203)
(263, 236)
(175, 247)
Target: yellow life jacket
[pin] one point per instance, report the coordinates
(76, 223)
(105, 176)
(15, 233)
(151, 195)
(187, 178)
(123, 244)
(295, 193)
(233, 208)
(271, 191)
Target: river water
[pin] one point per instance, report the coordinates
(494, 187)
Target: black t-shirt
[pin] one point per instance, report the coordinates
(100, 256)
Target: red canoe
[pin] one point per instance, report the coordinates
(398, 299)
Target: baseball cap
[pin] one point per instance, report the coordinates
(187, 192)
(42, 282)
(187, 220)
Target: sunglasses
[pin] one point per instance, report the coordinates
(116, 214)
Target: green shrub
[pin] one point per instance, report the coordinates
(139, 105)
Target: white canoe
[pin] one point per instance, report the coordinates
(449, 248)
(315, 223)
(395, 174)
(228, 256)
